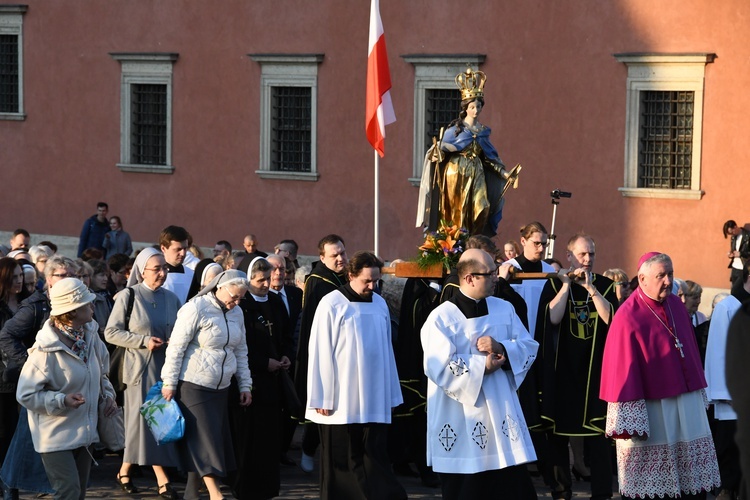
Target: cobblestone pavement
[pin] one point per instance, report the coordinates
(295, 483)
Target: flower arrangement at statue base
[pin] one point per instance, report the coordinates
(443, 246)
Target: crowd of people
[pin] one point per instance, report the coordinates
(473, 383)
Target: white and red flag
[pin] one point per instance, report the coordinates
(379, 108)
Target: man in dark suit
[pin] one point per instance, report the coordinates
(292, 298)
(739, 249)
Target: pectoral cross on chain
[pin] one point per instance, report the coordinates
(268, 325)
(678, 345)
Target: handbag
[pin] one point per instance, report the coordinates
(163, 418)
(111, 429)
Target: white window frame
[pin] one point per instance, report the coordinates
(143, 68)
(287, 70)
(432, 72)
(11, 23)
(662, 72)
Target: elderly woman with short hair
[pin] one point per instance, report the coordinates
(62, 384)
(207, 348)
(145, 337)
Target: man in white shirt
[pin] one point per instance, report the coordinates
(173, 242)
(717, 392)
(352, 386)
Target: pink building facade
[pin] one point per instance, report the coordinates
(638, 108)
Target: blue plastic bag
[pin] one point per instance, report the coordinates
(164, 418)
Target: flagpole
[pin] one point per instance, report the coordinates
(377, 202)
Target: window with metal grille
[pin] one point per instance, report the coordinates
(291, 121)
(666, 139)
(441, 107)
(9, 82)
(148, 137)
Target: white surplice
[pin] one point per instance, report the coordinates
(716, 348)
(474, 421)
(352, 369)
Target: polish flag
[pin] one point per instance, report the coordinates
(379, 108)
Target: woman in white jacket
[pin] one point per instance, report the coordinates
(208, 347)
(61, 385)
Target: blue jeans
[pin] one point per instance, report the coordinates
(23, 468)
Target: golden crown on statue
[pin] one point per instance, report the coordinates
(471, 84)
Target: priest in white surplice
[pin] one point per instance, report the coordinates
(725, 424)
(173, 242)
(352, 386)
(477, 353)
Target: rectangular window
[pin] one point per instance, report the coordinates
(288, 116)
(149, 124)
(146, 111)
(441, 107)
(291, 124)
(664, 124)
(666, 138)
(9, 82)
(11, 62)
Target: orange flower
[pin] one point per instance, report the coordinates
(447, 244)
(429, 245)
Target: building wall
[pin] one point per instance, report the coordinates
(555, 99)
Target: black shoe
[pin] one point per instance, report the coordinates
(285, 460)
(581, 477)
(404, 469)
(430, 479)
(128, 487)
(166, 491)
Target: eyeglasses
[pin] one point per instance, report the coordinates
(165, 269)
(538, 243)
(486, 275)
(234, 298)
(64, 275)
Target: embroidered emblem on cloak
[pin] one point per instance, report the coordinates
(447, 437)
(529, 361)
(511, 428)
(582, 313)
(479, 435)
(458, 367)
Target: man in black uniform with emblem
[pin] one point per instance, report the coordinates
(575, 311)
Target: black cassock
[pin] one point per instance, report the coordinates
(256, 429)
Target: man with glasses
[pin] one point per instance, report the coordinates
(476, 354)
(291, 296)
(575, 311)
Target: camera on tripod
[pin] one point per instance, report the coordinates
(557, 194)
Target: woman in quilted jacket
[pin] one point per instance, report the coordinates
(207, 348)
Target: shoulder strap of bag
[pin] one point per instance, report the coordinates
(129, 309)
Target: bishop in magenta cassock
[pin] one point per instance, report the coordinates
(653, 381)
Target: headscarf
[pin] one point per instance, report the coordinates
(252, 263)
(225, 278)
(136, 274)
(201, 269)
